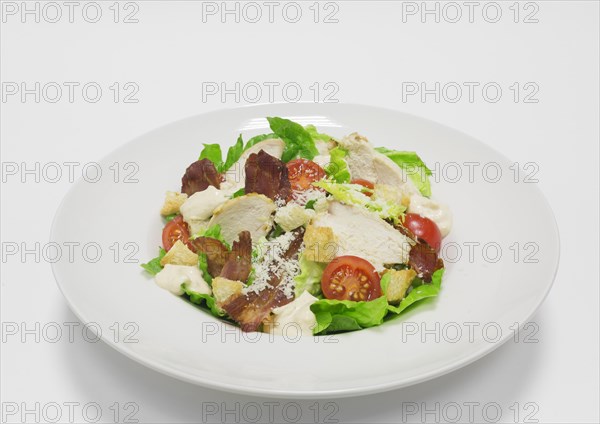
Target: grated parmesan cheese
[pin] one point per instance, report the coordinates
(303, 197)
(271, 262)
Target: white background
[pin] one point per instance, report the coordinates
(369, 53)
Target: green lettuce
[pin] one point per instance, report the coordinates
(337, 168)
(334, 316)
(153, 266)
(354, 194)
(310, 204)
(257, 139)
(239, 193)
(170, 217)
(309, 278)
(203, 266)
(203, 299)
(233, 154)
(414, 167)
(213, 153)
(316, 135)
(419, 292)
(213, 231)
(298, 141)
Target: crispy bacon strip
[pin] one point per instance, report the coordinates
(267, 175)
(238, 264)
(234, 265)
(216, 253)
(250, 310)
(424, 260)
(198, 176)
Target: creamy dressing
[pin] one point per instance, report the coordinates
(173, 276)
(437, 212)
(295, 317)
(199, 207)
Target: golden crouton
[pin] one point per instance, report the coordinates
(179, 254)
(292, 216)
(224, 288)
(320, 244)
(173, 202)
(399, 283)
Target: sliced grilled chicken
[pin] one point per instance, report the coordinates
(361, 233)
(252, 212)
(366, 163)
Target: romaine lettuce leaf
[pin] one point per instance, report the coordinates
(316, 135)
(309, 278)
(213, 153)
(202, 299)
(298, 141)
(414, 167)
(153, 266)
(170, 217)
(354, 194)
(203, 265)
(334, 316)
(239, 193)
(419, 292)
(337, 168)
(233, 154)
(257, 139)
(212, 232)
(346, 315)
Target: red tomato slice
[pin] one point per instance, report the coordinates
(303, 172)
(424, 228)
(350, 278)
(364, 183)
(176, 229)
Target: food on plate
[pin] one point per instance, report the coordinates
(296, 230)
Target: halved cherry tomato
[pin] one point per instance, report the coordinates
(425, 229)
(350, 278)
(303, 172)
(176, 229)
(364, 183)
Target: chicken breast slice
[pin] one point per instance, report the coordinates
(362, 233)
(235, 176)
(367, 163)
(252, 212)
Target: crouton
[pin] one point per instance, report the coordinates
(292, 216)
(224, 288)
(399, 283)
(179, 254)
(320, 244)
(173, 202)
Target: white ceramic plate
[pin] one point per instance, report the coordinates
(504, 232)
